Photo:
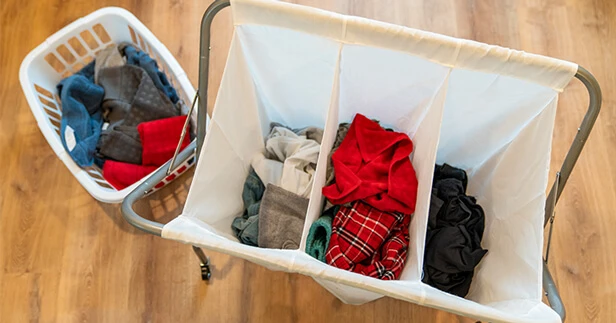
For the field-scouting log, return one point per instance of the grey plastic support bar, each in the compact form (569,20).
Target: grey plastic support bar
(142,190)
(204,67)
(551,292)
(594,106)
(551,221)
(183,134)
(155,228)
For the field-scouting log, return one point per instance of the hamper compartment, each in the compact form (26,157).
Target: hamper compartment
(271,90)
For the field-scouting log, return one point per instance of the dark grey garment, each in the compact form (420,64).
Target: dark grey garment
(130,99)
(246,227)
(281,218)
(343,129)
(435,206)
(108,57)
(313,133)
(121,143)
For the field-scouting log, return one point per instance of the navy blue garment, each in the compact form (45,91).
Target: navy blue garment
(81,115)
(143,60)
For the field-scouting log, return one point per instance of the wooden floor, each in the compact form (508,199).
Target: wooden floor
(65,257)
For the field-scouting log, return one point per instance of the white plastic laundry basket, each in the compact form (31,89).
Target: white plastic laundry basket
(65,53)
(486,109)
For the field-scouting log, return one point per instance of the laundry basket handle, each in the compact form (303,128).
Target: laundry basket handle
(144,188)
(204,67)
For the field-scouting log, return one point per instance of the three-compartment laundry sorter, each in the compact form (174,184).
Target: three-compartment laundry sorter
(486,109)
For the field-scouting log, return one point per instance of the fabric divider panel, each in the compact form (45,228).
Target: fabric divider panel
(317,200)
(426,140)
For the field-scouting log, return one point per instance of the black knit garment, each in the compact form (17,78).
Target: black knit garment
(455,229)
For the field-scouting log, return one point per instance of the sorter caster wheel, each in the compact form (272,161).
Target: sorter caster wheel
(205,271)
(204,263)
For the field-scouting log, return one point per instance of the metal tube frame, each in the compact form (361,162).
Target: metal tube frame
(155,228)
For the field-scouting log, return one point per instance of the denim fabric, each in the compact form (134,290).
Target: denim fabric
(81,112)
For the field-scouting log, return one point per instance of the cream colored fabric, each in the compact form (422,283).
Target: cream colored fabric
(289,161)
(441,49)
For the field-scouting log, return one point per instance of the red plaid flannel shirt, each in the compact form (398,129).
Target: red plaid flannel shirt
(368,241)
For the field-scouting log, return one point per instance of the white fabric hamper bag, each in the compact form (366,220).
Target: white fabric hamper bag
(486,109)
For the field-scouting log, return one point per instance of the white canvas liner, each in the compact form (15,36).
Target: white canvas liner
(486,109)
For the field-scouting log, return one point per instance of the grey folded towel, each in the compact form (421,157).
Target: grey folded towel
(281,218)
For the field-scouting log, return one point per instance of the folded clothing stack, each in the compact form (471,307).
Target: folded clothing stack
(121,113)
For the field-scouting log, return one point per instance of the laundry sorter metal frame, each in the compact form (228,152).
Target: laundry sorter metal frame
(155,228)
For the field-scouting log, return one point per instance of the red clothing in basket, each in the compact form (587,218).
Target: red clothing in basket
(368,241)
(373,165)
(122,175)
(159,139)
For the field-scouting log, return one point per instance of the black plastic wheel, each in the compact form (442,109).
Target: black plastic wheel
(206,274)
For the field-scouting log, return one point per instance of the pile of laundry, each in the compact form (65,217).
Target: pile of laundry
(371,193)
(120,113)
(455,229)
(277,188)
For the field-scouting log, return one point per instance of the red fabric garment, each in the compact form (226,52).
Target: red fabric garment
(159,138)
(122,175)
(368,241)
(373,165)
